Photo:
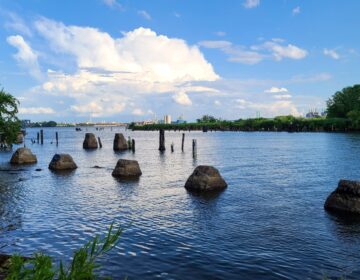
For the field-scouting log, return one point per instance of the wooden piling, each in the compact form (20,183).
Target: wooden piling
(162,140)
(41,137)
(57,138)
(129,143)
(133,145)
(172,147)
(38,137)
(100,144)
(194,148)
(182,142)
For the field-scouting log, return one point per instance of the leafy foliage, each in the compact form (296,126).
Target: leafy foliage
(9,123)
(207,119)
(281,123)
(82,267)
(44,124)
(343,102)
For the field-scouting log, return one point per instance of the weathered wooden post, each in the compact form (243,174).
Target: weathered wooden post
(57,138)
(194,148)
(182,142)
(133,145)
(172,147)
(41,137)
(100,144)
(162,140)
(38,137)
(129,143)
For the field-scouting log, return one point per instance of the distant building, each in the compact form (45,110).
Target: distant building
(167,119)
(313,113)
(146,122)
(180,120)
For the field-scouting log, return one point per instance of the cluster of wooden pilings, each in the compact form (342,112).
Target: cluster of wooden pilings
(162,143)
(40,138)
(129,144)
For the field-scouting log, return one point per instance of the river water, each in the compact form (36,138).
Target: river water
(268,224)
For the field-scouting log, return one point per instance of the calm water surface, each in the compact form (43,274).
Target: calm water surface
(268,224)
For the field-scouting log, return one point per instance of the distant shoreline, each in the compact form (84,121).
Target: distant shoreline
(279,124)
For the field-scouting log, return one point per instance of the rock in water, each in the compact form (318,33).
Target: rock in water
(120,143)
(127,169)
(62,162)
(205,178)
(90,141)
(23,156)
(346,198)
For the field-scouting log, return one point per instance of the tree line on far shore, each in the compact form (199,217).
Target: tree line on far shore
(281,123)
(343,114)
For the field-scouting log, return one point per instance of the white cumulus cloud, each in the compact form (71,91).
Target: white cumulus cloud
(182,98)
(117,70)
(26,56)
(284,51)
(276,90)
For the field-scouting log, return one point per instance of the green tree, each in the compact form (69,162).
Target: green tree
(207,119)
(343,102)
(354,116)
(9,123)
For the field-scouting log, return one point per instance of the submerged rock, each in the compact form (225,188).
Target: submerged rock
(346,198)
(205,178)
(23,156)
(127,168)
(62,162)
(120,143)
(90,141)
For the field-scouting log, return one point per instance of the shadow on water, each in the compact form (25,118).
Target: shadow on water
(121,153)
(63,173)
(130,181)
(204,196)
(346,226)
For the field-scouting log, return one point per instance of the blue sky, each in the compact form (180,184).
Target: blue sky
(134,60)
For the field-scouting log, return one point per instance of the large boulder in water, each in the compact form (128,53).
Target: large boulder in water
(205,178)
(90,141)
(127,169)
(23,156)
(120,143)
(62,162)
(346,198)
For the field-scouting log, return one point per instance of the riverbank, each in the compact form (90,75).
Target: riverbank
(285,123)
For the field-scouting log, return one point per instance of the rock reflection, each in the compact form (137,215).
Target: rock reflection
(346,226)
